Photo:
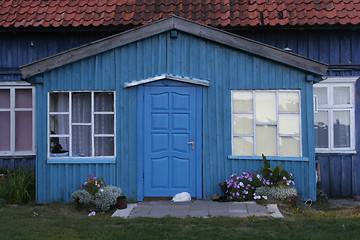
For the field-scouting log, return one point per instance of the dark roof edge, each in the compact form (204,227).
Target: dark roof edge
(180,24)
(251,46)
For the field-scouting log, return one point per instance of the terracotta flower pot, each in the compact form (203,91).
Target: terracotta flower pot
(121,202)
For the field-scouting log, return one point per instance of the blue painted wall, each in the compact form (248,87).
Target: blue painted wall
(190,56)
(338,47)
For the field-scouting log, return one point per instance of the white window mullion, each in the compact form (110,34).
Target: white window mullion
(277,124)
(352,128)
(12,120)
(254,120)
(48,124)
(92,124)
(33,120)
(232,122)
(70,125)
(114,103)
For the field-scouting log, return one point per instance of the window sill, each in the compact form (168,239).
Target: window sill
(290,159)
(6,155)
(336,151)
(80,160)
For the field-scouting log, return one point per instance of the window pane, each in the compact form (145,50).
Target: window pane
(4,98)
(59,124)
(289,146)
(104,124)
(321,93)
(59,146)
(341,129)
(289,124)
(23,131)
(59,102)
(81,141)
(321,129)
(243,123)
(242,101)
(104,146)
(289,101)
(266,137)
(5,131)
(104,102)
(23,98)
(341,95)
(81,108)
(265,107)
(243,146)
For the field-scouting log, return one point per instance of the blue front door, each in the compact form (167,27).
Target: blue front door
(170,140)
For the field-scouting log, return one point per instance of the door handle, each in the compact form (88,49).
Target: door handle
(192,144)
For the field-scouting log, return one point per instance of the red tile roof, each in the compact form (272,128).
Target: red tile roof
(224,13)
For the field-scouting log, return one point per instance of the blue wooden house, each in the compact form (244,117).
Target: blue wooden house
(168,107)
(324,30)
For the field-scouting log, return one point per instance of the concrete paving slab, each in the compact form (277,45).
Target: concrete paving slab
(124,213)
(204,209)
(274,211)
(343,203)
(158,211)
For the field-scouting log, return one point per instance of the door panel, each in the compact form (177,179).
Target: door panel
(169,126)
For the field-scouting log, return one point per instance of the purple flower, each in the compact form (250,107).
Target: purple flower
(237,194)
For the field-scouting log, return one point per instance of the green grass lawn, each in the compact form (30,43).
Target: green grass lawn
(64,221)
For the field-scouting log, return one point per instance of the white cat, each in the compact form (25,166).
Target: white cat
(182,197)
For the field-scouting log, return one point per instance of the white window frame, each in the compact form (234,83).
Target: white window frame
(330,83)
(93,135)
(265,124)
(12,86)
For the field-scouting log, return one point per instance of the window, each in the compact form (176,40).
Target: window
(17,120)
(266,122)
(334,117)
(81,124)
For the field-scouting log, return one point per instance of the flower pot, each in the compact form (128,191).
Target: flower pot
(121,202)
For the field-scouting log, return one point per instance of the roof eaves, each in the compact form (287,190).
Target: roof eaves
(251,46)
(96,47)
(180,24)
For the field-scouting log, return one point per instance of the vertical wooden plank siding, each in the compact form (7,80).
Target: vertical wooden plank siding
(105,71)
(25,162)
(56,182)
(226,69)
(339,174)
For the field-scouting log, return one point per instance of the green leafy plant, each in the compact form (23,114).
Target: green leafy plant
(277,176)
(18,186)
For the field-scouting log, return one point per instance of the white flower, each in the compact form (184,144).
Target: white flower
(265,197)
(258,176)
(241,184)
(93,213)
